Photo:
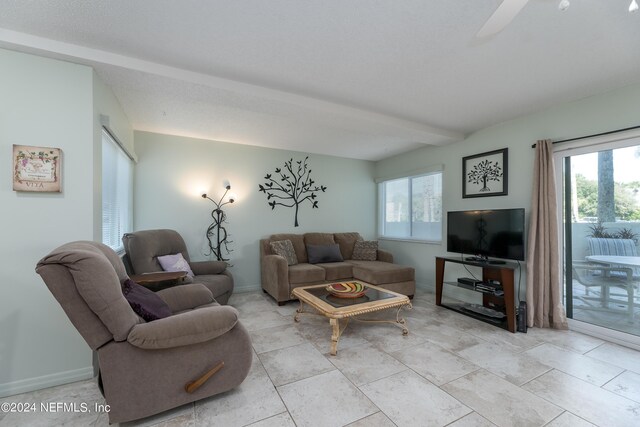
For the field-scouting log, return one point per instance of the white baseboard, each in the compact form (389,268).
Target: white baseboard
(45,381)
(428,287)
(616,337)
(246,288)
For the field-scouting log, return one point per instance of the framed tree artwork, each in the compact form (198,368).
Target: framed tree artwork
(485,174)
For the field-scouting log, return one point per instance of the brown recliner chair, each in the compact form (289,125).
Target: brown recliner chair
(146,368)
(144,247)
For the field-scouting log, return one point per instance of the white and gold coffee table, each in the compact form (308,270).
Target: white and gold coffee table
(335,309)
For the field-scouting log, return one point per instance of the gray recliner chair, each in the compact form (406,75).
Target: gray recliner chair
(143,247)
(147,367)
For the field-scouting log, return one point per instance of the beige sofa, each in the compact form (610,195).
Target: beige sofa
(279,279)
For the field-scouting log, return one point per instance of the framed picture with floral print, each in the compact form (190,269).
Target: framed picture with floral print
(36,168)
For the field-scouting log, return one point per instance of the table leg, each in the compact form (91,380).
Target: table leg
(296,318)
(605,296)
(630,301)
(335,335)
(401,322)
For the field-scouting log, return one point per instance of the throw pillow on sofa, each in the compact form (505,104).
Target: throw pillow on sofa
(284,248)
(324,253)
(365,250)
(175,262)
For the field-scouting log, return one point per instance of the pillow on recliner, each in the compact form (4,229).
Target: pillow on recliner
(145,302)
(324,253)
(175,262)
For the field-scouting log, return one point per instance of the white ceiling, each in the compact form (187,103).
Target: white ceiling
(355,78)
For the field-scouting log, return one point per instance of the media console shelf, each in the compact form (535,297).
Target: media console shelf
(501,272)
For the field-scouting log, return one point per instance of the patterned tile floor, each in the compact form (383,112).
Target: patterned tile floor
(450,371)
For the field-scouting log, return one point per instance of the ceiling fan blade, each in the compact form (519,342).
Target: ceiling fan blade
(501,17)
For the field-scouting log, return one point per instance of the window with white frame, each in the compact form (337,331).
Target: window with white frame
(117,192)
(411,207)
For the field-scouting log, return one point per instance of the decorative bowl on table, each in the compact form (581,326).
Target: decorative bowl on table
(346,290)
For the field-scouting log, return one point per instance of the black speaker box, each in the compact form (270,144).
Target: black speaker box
(522,317)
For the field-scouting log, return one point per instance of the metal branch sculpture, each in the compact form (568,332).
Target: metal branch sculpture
(217,229)
(484,172)
(293,187)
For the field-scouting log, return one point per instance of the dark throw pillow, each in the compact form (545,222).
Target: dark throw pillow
(365,250)
(146,303)
(324,253)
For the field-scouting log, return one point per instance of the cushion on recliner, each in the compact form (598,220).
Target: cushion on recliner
(145,302)
(208,267)
(218,284)
(175,262)
(186,328)
(143,248)
(96,278)
(186,297)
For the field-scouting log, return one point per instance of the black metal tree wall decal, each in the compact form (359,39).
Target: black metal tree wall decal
(216,229)
(484,172)
(293,188)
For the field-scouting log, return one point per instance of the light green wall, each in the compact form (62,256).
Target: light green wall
(610,111)
(173,171)
(44,102)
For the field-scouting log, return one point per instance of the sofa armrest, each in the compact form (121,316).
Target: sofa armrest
(385,256)
(191,327)
(208,267)
(274,272)
(185,297)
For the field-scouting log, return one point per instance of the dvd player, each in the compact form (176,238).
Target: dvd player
(468,281)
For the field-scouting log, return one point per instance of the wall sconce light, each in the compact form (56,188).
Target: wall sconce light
(216,230)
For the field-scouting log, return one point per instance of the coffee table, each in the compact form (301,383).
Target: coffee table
(335,309)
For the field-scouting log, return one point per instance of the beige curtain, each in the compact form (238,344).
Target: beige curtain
(544,291)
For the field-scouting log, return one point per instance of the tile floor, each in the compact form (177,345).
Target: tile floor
(450,371)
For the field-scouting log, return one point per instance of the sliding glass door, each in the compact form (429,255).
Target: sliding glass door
(599,192)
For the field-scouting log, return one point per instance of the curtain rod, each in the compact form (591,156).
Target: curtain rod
(591,136)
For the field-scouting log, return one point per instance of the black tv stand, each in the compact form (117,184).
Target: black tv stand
(485,260)
(504,274)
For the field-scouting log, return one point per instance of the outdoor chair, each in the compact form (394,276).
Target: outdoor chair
(607,279)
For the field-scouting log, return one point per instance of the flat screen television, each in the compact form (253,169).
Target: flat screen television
(497,233)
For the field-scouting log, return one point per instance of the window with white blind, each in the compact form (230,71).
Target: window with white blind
(411,207)
(117,192)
